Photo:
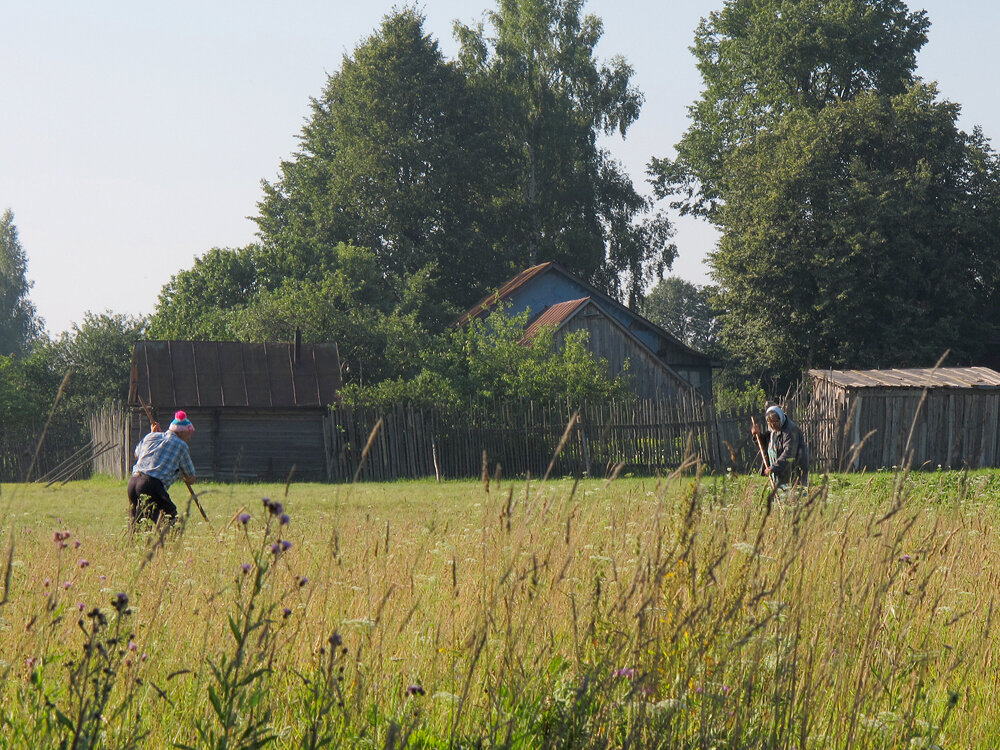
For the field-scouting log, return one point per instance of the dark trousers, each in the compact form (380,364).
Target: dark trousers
(158,503)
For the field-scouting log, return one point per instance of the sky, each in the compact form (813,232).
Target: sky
(134,136)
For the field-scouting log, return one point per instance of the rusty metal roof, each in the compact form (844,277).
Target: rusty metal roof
(187,374)
(554,315)
(925,377)
(503,292)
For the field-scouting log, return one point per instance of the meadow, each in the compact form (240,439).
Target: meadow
(680,612)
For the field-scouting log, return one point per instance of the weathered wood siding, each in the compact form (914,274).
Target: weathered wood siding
(886,427)
(250,444)
(648,377)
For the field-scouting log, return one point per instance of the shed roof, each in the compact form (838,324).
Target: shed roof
(555,315)
(921,377)
(230,373)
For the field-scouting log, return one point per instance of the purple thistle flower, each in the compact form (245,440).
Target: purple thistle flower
(275,548)
(120,602)
(285,545)
(244,518)
(84,563)
(284,519)
(132,646)
(286,612)
(246,567)
(81,606)
(67,585)
(76,544)
(303,581)
(416,690)
(628,672)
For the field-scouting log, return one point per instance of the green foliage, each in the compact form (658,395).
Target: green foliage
(490,358)
(745,397)
(398,157)
(858,222)
(686,310)
(19,323)
(98,351)
(760,60)
(865,239)
(569,201)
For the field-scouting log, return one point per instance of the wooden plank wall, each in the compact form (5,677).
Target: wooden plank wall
(951,428)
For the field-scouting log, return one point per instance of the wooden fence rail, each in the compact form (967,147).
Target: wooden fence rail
(520,438)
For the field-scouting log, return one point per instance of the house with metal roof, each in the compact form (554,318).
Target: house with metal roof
(921,417)
(659,364)
(259,410)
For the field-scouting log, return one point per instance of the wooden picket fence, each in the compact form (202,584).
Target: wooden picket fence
(29,451)
(556,438)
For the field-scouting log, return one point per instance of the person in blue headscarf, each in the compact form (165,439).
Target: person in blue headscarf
(787,453)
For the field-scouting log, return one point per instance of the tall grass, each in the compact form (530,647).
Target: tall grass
(689,612)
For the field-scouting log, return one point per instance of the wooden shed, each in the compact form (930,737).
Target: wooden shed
(947,416)
(258,409)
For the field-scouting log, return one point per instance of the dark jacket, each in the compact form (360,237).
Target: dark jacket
(791,463)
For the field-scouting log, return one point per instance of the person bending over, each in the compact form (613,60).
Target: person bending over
(160,458)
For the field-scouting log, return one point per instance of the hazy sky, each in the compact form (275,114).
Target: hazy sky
(133,136)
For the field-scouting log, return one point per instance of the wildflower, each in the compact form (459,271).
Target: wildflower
(120,602)
(244,518)
(416,690)
(335,639)
(76,544)
(47,582)
(285,545)
(906,559)
(284,519)
(286,613)
(67,585)
(628,672)
(245,567)
(303,581)
(81,606)
(29,663)
(275,548)
(132,646)
(84,563)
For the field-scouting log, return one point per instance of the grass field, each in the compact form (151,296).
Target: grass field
(674,613)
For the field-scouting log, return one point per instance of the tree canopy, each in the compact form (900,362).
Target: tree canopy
(19,322)
(858,222)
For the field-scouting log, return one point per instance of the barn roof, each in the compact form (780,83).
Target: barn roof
(515,283)
(924,377)
(188,374)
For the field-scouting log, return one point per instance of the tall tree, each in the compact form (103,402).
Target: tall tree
(857,221)
(867,237)
(19,322)
(569,202)
(686,310)
(761,59)
(396,158)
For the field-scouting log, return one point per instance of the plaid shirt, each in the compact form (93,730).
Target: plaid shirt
(163,455)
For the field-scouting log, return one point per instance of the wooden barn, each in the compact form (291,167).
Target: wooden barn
(258,409)
(650,377)
(659,363)
(954,425)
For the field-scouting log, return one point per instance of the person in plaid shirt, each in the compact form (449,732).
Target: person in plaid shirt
(160,458)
